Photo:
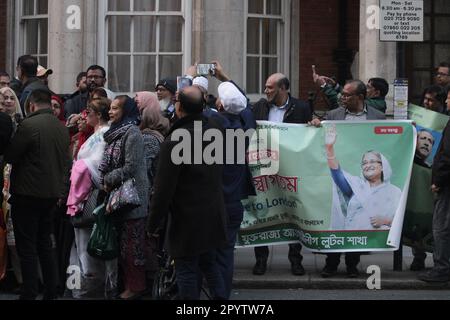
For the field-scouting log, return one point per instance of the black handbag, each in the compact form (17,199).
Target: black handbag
(123,198)
(86,218)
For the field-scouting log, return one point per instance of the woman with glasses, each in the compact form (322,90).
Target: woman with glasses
(368,202)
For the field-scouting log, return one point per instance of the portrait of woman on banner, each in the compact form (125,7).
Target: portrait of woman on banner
(366,202)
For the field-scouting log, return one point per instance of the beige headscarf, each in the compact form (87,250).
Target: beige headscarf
(147,100)
(153,122)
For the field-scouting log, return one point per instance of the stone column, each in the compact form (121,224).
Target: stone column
(223,37)
(376,59)
(66,43)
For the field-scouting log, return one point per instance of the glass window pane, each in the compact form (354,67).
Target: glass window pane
(442,29)
(171,34)
(170,66)
(43,31)
(31,36)
(274,7)
(144,73)
(145,34)
(119,73)
(441,53)
(144,5)
(256,6)
(421,55)
(441,6)
(269,36)
(28,7)
(253,75)
(169,5)
(42,6)
(420,80)
(43,61)
(269,67)
(119,34)
(118,5)
(253,36)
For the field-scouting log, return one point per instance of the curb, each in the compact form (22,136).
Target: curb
(392,281)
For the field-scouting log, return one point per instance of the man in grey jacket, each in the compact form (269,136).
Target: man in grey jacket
(39,154)
(353,108)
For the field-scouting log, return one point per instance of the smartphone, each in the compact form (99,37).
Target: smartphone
(205,69)
(183,82)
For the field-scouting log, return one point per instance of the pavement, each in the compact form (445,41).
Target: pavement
(278,275)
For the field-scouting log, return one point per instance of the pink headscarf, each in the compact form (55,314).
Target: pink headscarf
(147,99)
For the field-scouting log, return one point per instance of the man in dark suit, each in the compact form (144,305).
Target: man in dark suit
(191,193)
(280,107)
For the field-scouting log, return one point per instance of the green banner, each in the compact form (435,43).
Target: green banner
(342,187)
(417,230)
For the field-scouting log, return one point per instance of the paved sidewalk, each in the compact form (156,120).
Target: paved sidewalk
(278,275)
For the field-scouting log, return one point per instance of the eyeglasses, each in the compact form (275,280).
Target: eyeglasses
(441,74)
(371,162)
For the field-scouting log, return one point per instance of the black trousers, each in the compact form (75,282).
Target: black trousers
(32,220)
(351,259)
(262,253)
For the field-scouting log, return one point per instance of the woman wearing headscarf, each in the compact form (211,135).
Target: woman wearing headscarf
(124,159)
(58,108)
(154,128)
(146,99)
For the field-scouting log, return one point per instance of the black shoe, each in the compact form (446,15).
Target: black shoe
(352,272)
(260,267)
(417,265)
(328,271)
(297,269)
(434,276)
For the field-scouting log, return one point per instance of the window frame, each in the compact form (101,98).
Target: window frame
(283,44)
(21,35)
(102,43)
(431,43)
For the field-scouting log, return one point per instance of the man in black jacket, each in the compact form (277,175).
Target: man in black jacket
(190,191)
(27,67)
(280,106)
(39,154)
(441,216)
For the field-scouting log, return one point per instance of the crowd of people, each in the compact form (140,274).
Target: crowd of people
(64,155)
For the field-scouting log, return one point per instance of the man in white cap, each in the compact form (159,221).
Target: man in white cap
(234,114)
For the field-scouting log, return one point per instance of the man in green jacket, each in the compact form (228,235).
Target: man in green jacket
(377,90)
(39,155)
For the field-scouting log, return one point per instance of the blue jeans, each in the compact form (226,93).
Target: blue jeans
(188,271)
(225,256)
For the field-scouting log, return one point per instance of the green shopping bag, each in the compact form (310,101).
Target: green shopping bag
(104,241)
